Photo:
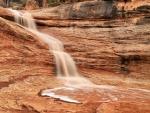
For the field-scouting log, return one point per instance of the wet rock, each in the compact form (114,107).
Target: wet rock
(80,11)
(108,49)
(122,50)
(21,53)
(119,37)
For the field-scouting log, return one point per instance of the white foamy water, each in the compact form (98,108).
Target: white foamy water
(102,94)
(65,65)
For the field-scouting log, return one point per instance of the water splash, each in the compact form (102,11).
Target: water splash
(65,65)
(101,93)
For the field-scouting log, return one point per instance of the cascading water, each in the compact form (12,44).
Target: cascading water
(66,69)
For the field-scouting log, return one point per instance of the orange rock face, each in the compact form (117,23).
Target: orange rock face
(18,49)
(107,51)
(123,107)
(123,51)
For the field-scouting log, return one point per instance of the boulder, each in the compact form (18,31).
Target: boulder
(96,10)
(6,14)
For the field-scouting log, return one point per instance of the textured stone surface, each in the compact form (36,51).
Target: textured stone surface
(21,52)
(121,42)
(96,10)
(119,50)
(123,107)
(107,51)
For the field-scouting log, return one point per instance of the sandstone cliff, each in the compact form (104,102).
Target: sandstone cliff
(121,33)
(111,48)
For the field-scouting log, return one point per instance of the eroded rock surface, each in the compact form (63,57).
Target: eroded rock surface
(21,53)
(122,107)
(118,50)
(108,50)
(96,10)
(118,34)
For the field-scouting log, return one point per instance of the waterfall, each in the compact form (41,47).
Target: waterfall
(66,70)
(65,65)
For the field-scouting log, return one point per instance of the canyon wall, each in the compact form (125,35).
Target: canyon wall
(107,35)
(109,41)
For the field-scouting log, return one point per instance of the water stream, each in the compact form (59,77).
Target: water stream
(65,65)
(77,90)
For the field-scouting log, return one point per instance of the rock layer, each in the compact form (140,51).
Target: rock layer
(110,50)
(121,49)
(122,37)
(21,53)
(96,10)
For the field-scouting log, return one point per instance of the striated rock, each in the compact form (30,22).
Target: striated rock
(79,10)
(118,44)
(21,53)
(96,23)
(108,49)
(93,14)
(118,50)
(26,65)
(96,10)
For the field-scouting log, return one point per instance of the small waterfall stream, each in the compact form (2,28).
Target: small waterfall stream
(78,90)
(65,65)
